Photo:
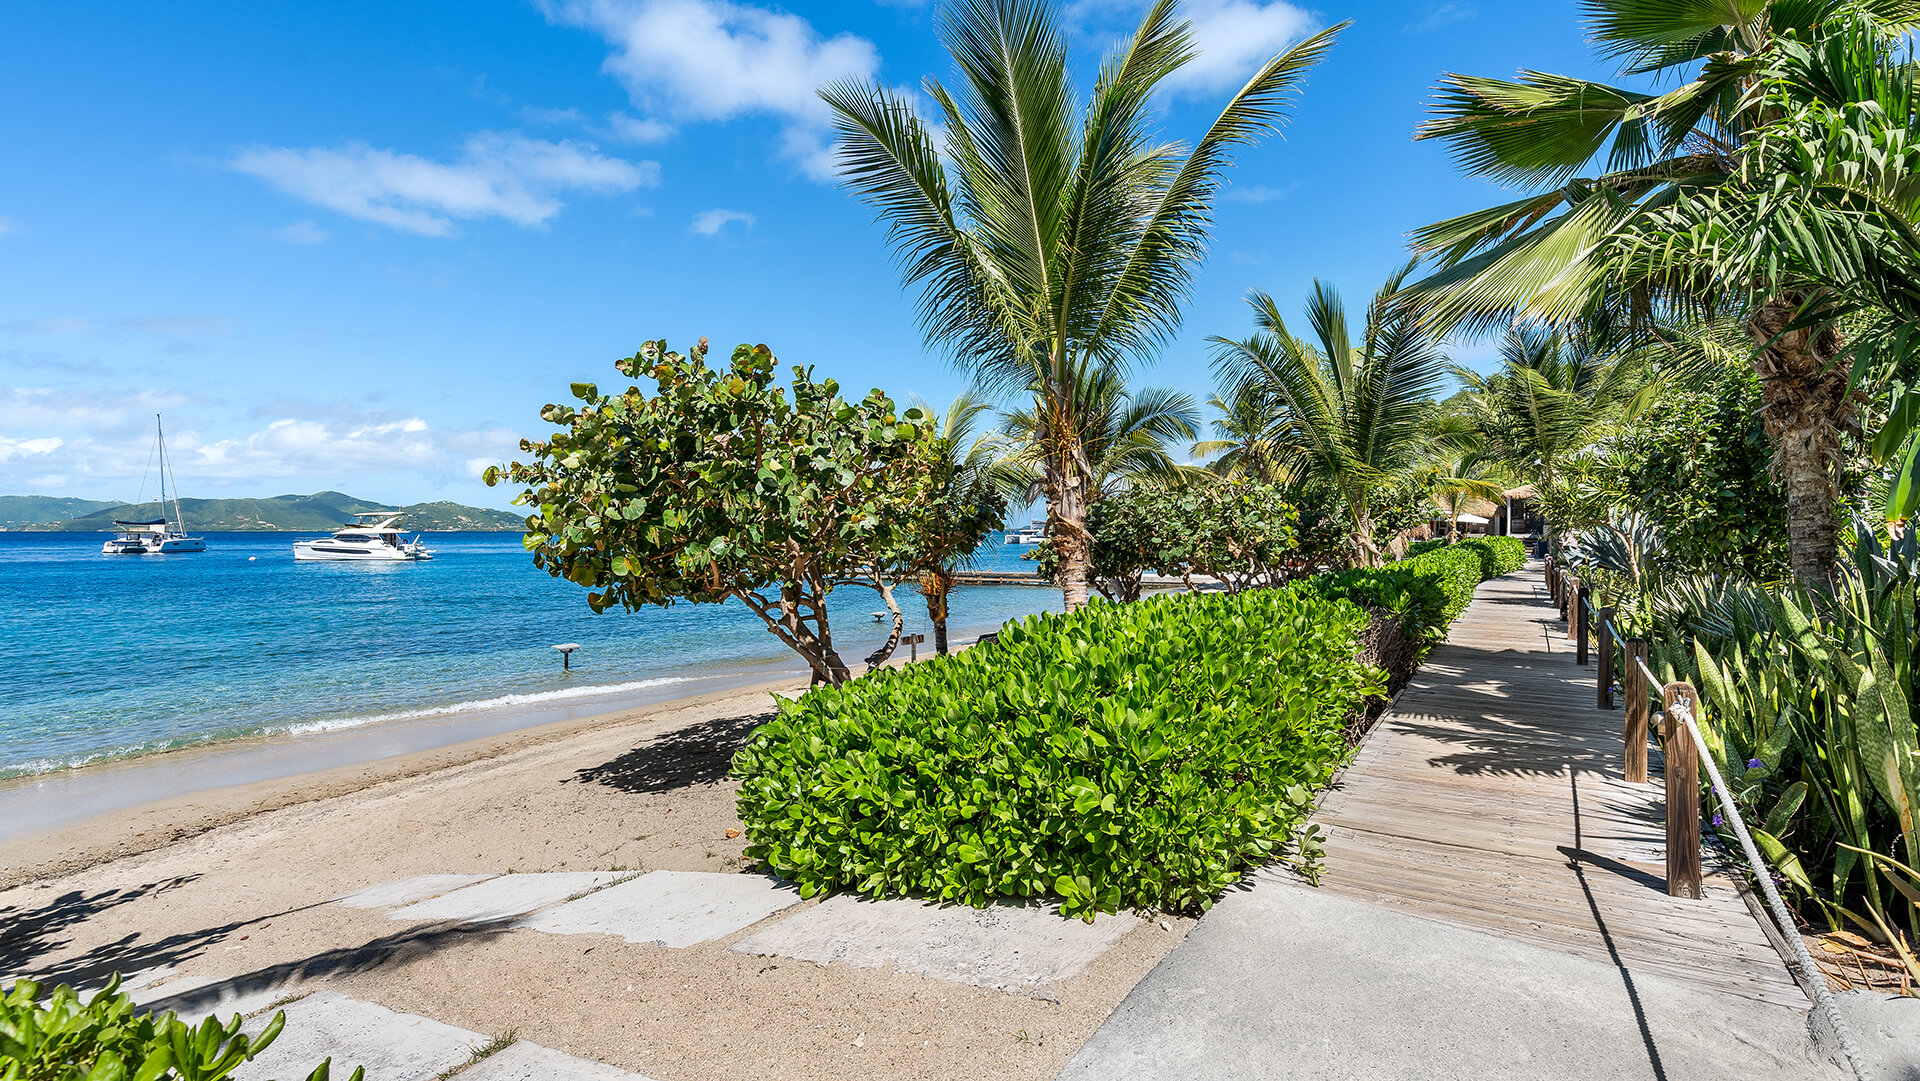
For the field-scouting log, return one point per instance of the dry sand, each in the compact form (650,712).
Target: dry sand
(233,883)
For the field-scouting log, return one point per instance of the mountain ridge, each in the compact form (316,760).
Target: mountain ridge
(317,512)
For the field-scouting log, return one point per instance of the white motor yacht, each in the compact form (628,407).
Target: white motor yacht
(372,537)
(159,536)
(1031,535)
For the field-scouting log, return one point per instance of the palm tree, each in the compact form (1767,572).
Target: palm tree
(1554,395)
(1125,435)
(974,481)
(1559,252)
(1245,436)
(1353,416)
(1049,246)
(1454,477)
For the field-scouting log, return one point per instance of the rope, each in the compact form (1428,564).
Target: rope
(1822,999)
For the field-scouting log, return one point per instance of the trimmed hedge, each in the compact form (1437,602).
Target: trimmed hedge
(1498,555)
(1124,755)
(1412,594)
(1455,569)
(1425,546)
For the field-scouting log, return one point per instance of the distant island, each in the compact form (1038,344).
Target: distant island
(281,513)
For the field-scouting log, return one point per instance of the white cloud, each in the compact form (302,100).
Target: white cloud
(505,176)
(710,222)
(634,129)
(1439,15)
(300,232)
(12,449)
(1259,193)
(711,60)
(7,226)
(1234,37)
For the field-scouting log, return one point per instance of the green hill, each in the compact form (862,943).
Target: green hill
(19,510)
(314,513)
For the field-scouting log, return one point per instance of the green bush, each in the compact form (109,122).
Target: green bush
(61,1038)
(1455,569)
(1498,555)
(1414,595)
(1124,755)
(1425,546)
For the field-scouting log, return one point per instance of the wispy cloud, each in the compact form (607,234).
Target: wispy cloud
(7,226)
(710,222)
(711,60)
(190,325)
(1233,37)
(12,449)
(56,324)
(300,232)
(498,175)
(1259,193)
(1439,15)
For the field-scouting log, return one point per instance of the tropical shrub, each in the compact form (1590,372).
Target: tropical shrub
(1411,595)
(62,1038)
(1122,755)
(1418,548)
(1455,569)
(1498,555)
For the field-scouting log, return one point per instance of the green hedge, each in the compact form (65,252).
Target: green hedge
(1412,594)
(1498,555)
(1425,546)
(1124,755)
(1456,570)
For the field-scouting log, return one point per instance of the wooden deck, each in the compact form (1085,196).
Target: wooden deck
(1491,797)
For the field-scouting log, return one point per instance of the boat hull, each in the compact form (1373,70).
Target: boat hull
(311,553)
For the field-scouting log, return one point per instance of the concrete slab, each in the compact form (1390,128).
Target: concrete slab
(408,890)
(1005,947)
(523,1061)
(675,909)
(507,897)
(196,998)
(392,1046)
(1886,1034)
(1284,981)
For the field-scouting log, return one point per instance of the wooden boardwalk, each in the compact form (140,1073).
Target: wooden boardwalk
(1491,797)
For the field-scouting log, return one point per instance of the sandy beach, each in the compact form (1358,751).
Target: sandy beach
(234,882)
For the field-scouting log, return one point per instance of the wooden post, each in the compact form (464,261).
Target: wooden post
(1604,699)
(1635,684)
(1683,796)
(1582,624)
(1553,581)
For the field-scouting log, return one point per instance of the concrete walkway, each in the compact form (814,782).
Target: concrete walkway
(1492,907)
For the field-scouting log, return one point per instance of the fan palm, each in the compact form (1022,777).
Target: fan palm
(1351,415)
(1458,472)
(1556,253)
(1046,247)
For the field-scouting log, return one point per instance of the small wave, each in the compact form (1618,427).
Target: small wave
(41,766)
(504,701)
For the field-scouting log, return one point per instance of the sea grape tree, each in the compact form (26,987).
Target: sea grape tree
(723,485)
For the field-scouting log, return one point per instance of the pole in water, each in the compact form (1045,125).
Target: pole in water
(566,655)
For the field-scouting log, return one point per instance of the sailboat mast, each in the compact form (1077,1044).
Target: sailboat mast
(166,467)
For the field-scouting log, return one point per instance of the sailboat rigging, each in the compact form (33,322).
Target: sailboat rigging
(160,535)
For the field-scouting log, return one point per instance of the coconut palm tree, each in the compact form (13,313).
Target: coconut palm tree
(1050,238)
(1352,415)
(1244,432)
(1126,436)
(1455,476)
(974,480)
(1604,162)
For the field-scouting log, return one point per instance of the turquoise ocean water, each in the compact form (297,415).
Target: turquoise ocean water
(105,657)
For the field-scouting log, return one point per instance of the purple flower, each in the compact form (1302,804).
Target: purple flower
(1717,819)
(1753,763)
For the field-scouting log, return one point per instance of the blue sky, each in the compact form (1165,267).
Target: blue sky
(357,245)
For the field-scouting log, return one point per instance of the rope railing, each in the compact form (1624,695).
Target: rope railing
(1683,782)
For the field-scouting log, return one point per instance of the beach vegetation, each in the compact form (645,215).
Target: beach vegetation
(1240,533)
(1352,415)
(970,480)
(1122,755)
(724,485)
(53,1034)
(1051,238)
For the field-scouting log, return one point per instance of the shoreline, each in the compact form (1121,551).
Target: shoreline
(61,845)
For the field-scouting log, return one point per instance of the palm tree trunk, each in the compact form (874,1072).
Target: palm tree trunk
(935,585)
(1066,487)
(1807,406)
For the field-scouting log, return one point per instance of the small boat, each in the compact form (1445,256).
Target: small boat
(1032,534)
(373,537)
(157,536)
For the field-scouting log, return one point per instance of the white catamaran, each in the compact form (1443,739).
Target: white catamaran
(373,536)
(160,535)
